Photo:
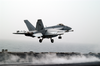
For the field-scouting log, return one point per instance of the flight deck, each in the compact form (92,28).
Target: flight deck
(31,58)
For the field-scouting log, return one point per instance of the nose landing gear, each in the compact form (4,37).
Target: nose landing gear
(59,37)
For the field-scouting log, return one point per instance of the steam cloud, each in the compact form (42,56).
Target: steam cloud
(48,59)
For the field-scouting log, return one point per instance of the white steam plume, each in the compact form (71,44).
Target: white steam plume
(49,59)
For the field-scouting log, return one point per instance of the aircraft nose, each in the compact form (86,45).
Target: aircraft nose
(68,28)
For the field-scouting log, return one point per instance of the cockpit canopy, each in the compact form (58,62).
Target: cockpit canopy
(61,24)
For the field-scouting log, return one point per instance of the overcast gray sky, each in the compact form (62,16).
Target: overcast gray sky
(82,15)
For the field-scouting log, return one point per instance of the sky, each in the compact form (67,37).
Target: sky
(83,16)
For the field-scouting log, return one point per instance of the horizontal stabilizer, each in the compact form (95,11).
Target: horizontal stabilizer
(20,32)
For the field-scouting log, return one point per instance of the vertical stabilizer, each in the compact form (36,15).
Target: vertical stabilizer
(29,25)
(39,25)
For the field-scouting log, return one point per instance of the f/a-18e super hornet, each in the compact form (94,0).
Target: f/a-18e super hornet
(44,32)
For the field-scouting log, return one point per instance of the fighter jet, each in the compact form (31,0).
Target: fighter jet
(42,32)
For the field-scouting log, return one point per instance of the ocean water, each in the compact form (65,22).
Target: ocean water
(26,46)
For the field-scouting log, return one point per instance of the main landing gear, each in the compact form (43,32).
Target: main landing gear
(40,40)
(52,40)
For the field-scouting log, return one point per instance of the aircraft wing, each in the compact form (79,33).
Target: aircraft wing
(60,32)
(20,32)
(37,34)
(54,32)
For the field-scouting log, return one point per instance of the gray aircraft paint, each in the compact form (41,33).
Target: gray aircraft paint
(29,25)
(42,32)
(39,25)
